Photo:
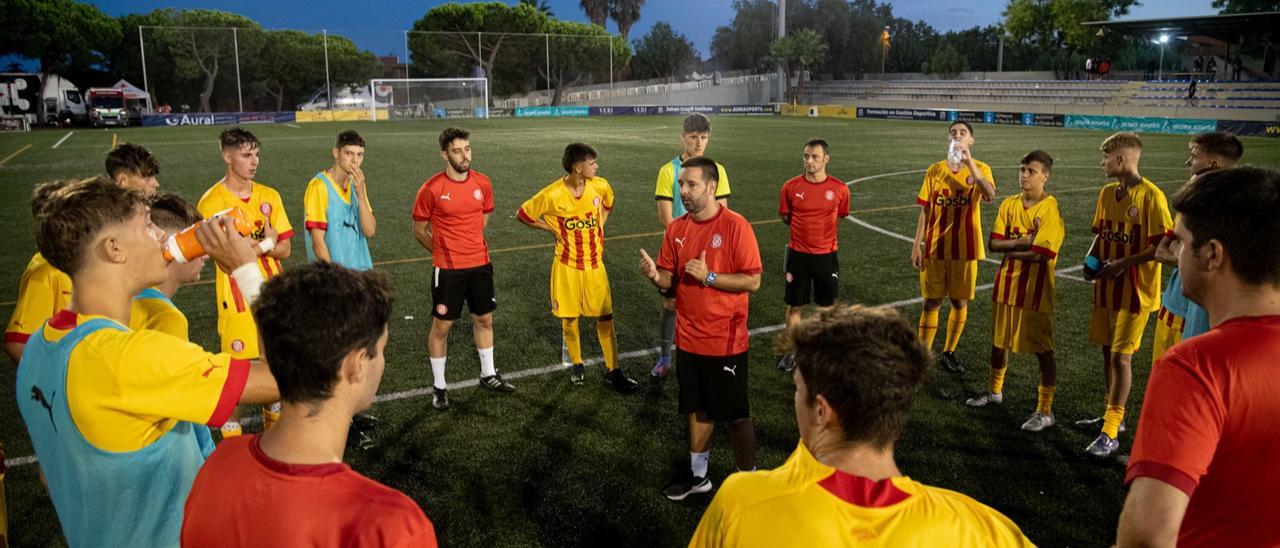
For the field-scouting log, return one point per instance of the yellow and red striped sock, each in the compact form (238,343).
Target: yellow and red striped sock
(955,326)
(927,329)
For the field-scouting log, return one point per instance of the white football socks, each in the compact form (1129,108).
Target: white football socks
(437,373)
(698,463)
(486,362)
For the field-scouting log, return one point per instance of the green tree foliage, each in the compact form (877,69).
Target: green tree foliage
(797,52)
(597,11)
(663,53)
(1245,6)
(1053,28)
(61,34)
(464,36)
(625,13)
(542,6)
(946,62)
(744,43)
(579,54)
(291,65)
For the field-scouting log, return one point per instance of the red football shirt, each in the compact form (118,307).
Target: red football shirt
(242,497)
(709,321)
(1208,427)
(815,210)
(456,211)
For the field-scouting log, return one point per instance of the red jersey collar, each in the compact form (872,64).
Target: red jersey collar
(64,320)
(303,470)
(860,491)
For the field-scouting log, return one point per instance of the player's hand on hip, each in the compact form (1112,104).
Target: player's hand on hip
(697,267)
(225,246)
(647,267)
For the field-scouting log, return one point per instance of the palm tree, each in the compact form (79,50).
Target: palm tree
(597,11)
(798,51)
(625,13)
(541,5)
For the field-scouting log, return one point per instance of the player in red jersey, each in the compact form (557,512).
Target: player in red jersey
(449,217)
(812,206)
(325,328)
(1203,472)
(711,258)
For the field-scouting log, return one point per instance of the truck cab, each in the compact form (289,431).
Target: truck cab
(107,108)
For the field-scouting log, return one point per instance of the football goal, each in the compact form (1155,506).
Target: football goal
(429,98)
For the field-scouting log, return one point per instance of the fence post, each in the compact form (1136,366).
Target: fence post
(235,43)
(142,48)
(406,54)
(328,88)
(547,39)
(610,70)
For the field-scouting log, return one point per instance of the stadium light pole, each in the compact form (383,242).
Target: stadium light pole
(783,78)
(1164,39)
(406,54)
(142,48)
(235,43)
(328,88)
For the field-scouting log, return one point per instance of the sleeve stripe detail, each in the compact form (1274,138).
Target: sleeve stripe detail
(284,236)
(921,201)
(1044,251)
(1162,472)
(665,198)
(232,389)
(520,214)
(316,224)
(997,236)
(16,337)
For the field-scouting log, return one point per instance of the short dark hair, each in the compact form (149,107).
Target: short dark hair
(818,142)
(697,123)
(576,152)
(237,137)
(450,134)
(349,138)
(960,123)
(75,213)
(171,213)
(1237,207)
(1220,143)
(1039,156)
(133,159)
(311,317)
(40,196)
(709,168)
(867,363)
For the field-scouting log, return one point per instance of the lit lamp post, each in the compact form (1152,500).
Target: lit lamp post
(1164,39)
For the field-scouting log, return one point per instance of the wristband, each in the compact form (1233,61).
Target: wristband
(266,245)
(249,280)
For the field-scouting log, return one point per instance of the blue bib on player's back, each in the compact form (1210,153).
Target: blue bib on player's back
(346,242)
(102,498)
(677,205)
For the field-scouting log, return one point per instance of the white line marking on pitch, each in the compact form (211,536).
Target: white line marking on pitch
(64,138)
(294,126)
(471,383)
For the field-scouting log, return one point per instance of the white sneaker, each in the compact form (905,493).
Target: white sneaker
(1103,446)
(1038,422)
(984,399)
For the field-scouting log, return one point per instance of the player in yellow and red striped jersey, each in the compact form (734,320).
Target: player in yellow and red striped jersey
(948,241)
(1131,219)
(263,209)
(1028,230)
(574,209)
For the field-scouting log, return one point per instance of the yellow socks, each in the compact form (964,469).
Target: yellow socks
(572,339)
(1044,404)
(927,329)
(1111,421)
(955,326)
(608,342)
(995,379)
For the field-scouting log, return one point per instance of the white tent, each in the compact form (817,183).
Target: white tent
(131,91)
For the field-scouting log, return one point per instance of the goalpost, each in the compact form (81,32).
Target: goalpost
(427,98)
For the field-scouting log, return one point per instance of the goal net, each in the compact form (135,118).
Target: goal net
(425,98)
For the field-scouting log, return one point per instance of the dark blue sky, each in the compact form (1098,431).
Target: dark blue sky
(378,26)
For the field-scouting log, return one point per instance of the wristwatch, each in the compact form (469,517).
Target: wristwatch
(711,279)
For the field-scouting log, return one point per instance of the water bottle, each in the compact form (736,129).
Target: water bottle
(954,156)
(183,246)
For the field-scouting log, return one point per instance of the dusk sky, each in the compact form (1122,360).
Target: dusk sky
(378,26)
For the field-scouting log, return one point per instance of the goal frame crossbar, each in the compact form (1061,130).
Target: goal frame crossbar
(373,90)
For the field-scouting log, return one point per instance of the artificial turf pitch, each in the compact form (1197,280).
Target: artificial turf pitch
(560,465)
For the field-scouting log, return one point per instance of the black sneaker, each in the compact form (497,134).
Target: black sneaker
(578,375)
(686,484)
(358,439)
(364,422)
(440,399)
(787,362)
(495,383)
(620,381)
(951,363)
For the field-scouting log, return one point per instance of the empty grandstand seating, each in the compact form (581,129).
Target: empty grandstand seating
(1225,95)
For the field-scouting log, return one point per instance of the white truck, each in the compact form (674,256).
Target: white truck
(345,98)
(20,96)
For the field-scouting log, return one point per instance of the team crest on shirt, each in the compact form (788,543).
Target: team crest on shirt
(477,194)
(1133,212)
(237,345)
(441,309)
(265,208)
(596,201)
(790,278)
(716,241)
(968,180)
(831,195)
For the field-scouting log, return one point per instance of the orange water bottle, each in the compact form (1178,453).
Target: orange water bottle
(183,246)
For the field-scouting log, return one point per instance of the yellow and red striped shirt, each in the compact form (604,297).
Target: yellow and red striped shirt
(953,226)
(1126,227)
(1028,284)
(579,222)
(263,208)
